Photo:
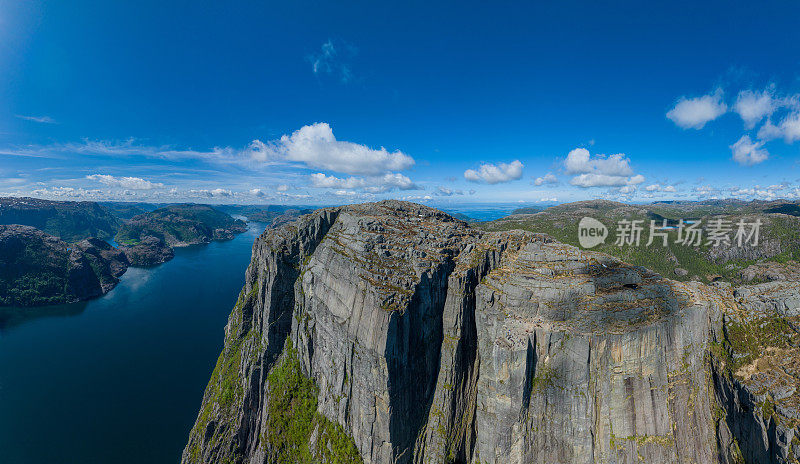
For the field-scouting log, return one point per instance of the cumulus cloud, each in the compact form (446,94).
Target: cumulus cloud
(316,146)
(580,161)
(603,180)
(747,153)
(599,170)
(376,184)
(69,192)
(495,173)
(752,107)
(282,188)
(257,192)
(548,178)
(694,113)
(652,188)
(446,192)
(217,192)
(132,183)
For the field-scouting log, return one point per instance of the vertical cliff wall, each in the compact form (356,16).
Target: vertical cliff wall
(393,333)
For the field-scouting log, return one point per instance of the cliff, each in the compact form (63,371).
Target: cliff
(393,333)
(38,269)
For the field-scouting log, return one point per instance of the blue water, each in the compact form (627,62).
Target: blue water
(118,379)
(486,212)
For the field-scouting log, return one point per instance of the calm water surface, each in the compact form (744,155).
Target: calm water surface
(119,379)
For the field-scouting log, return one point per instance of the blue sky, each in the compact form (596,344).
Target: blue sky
(446,103)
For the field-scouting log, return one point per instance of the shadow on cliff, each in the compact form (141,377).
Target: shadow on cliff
(413,351)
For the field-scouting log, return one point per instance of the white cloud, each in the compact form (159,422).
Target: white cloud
(257,192)
(660,188)
(548,178)
(331,60)
(495,174)
(39,119)
(70,192)
(217,192)
(747,153)
(752,107)
(790,127)
(344,193)
(769,131)
(316,146)
(600,170)
(694,113)
(377,184)
(132,183)
(446,192)
(580,161)
(282,188)
(604,180)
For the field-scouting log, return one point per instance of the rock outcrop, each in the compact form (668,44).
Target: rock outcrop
(393,333)
(37,268)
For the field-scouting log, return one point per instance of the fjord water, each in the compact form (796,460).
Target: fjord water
(119,379)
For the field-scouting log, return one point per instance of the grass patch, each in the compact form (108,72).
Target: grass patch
(293,418)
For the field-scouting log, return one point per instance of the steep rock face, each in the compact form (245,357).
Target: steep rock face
(756,367)
(584,359)
(429,341)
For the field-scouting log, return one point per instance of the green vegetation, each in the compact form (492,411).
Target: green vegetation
(37,269)
(71,221)
(293,418)
(703,261)
(747,341)
(178,224)
(545,377)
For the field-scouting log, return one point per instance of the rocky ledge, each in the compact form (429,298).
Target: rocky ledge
(37,268)
(393,333)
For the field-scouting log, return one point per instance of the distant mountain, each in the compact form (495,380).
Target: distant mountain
(267,213)
(148,238)
(69,220)
(126,210)
(39,269)
(528,210)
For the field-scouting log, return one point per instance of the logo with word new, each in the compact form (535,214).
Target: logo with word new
(591,232)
